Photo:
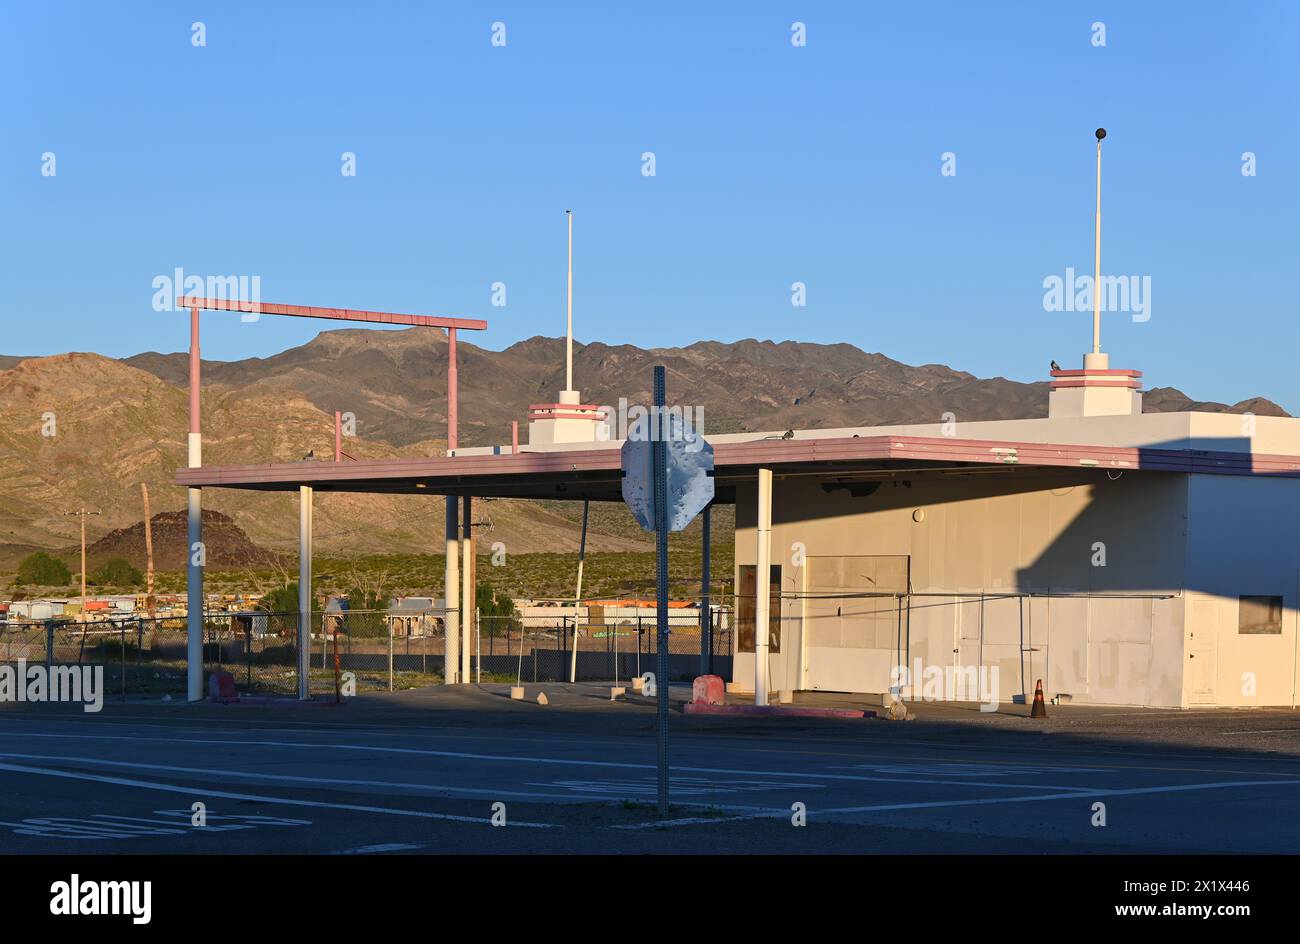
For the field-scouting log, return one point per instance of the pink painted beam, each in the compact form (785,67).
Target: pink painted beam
(453,439)
(194,370)
(332,314)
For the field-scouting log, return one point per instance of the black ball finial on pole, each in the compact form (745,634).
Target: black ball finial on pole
(1101,133)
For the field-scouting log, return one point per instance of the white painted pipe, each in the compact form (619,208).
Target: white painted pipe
(763,583)
(1096,279)
(451,590)
(194,596)
(467,593)
(577,594)
(304,590)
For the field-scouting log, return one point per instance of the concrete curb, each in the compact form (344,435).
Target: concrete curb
(263,701)
(696,708)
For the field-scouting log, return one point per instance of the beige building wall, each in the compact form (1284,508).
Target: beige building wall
(1244,540)
(980,542)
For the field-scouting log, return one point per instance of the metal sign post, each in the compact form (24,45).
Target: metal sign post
(667,481)
(660,454)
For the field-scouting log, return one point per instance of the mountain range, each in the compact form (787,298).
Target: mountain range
(118,423)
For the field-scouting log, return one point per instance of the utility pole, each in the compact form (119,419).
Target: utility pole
(149,601)
(82,513)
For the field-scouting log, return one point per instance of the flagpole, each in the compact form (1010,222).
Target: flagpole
(1096,279)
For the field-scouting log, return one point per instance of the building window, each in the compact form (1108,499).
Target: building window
(1260,615)
(746,598)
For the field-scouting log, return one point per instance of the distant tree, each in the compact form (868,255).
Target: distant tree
(43,570)
(282,599)
(116,572)
(359,599)
(496,610)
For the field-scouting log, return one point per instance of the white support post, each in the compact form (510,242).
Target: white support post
(451,590)
(196,557)
(763,582)
(467,594)
(577,594)
(304,591)
(194,589)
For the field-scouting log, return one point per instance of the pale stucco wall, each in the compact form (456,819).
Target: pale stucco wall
(1021,531)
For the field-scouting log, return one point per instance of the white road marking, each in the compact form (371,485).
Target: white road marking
(985,801)
(547,761)
(696,820)
(380,848)
(1098,792)
(788,746)
(599,796)
(678,786)
(108,826)
(226,794)
(969,769)
(289,778)
(61,827)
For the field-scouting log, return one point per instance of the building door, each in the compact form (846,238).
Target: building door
(968,657)
(746,600)
(1202,663)
(855,623)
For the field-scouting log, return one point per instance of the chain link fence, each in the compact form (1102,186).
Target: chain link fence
(360,650)
(139,656)
(540,650)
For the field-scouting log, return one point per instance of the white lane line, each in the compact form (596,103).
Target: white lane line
(697,820)
(228,795)
(566,797)
(793,747)
(554,761)
(289,778)
(380,848)
(986,801)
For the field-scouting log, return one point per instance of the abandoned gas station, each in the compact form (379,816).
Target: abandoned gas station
(1121,557)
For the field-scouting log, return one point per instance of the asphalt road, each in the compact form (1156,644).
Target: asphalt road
(423,772)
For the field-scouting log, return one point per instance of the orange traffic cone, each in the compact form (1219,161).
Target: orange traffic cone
(1040,707)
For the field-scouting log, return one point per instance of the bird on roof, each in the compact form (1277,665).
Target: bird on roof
(1055,366)
(788,434)
(311,454)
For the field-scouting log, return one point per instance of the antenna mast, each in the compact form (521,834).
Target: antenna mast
(1096,277)
(568,343)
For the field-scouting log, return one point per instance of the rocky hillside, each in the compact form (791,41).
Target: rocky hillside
(226,544)
(81,430)
(394,381)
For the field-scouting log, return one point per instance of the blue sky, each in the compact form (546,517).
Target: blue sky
(774,164)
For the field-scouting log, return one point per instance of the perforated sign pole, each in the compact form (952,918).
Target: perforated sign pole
(659,453)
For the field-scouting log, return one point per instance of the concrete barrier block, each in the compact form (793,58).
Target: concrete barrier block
(708,690)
